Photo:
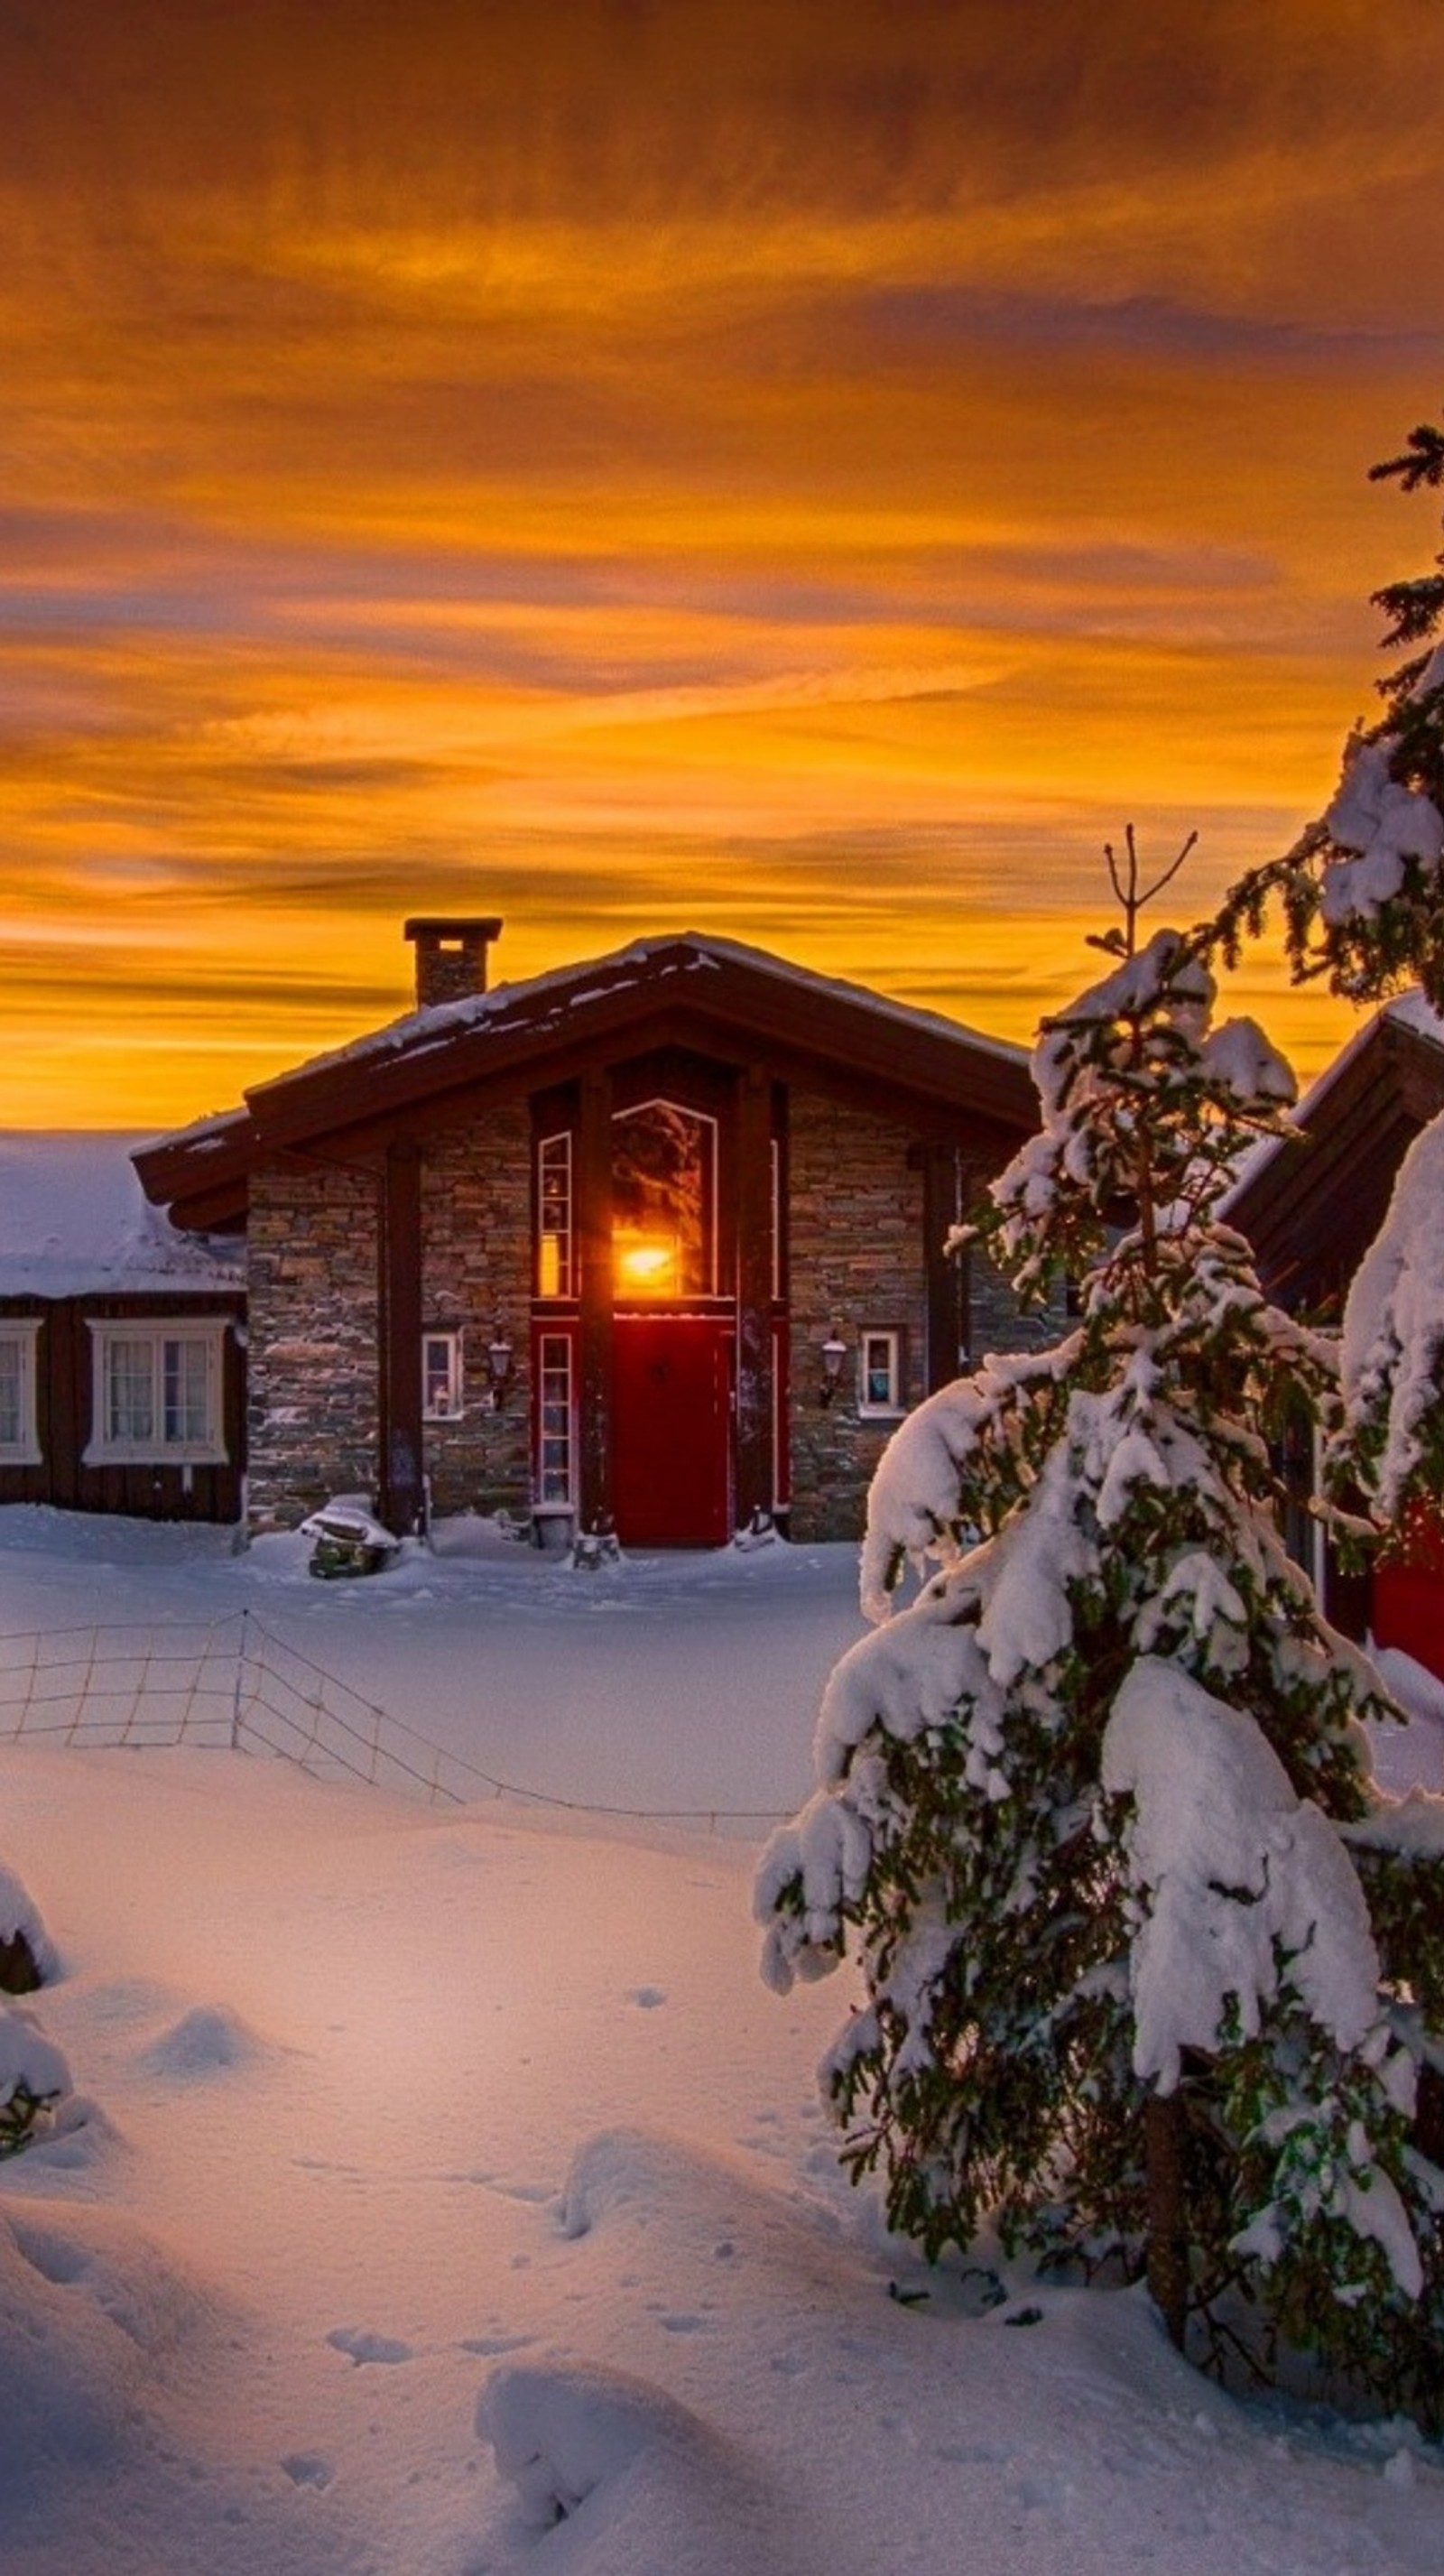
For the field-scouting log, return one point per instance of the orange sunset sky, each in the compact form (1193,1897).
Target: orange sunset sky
(809,472)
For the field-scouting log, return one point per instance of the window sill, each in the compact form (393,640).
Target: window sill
(179,1456)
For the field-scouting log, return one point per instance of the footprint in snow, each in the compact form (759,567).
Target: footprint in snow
(362,2345)
(308,2469)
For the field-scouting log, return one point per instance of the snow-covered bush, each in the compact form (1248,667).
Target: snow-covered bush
(33,2073)
(26,1957)
(33,2078)
(1083,1807)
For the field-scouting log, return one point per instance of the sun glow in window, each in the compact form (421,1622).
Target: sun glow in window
(664,1181)
(650,1267)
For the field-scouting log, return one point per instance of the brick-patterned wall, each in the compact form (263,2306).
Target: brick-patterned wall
(476,1271)
(998,1324)
(311,1262)
(856,1255)
(313,1323)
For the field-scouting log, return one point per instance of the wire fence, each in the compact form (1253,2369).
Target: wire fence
(234,1684)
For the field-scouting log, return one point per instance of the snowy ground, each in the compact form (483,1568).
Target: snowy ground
(390,2110)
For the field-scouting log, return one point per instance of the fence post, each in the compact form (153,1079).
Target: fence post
(240,1676)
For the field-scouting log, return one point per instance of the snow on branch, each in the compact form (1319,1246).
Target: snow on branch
(1393,1342)
(1242,1882)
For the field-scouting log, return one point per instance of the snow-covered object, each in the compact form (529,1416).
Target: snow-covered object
(560,2435)
(1242,1883)
(29,2062)
(347,1518)
(1393,1339)
(1379,826)
(20,1915)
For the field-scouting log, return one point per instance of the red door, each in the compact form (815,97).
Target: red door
(671,1427)
(1408,1592)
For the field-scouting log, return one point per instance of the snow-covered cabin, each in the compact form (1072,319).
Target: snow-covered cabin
(121,1369)
(1311,1208)
(652,1243)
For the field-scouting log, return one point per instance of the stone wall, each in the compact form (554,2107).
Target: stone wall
(997,1322)
(855,1258)
(314,1307)
(312,1271)
(476,1273)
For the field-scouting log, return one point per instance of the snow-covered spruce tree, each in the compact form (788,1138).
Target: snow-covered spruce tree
(1363,898)
(1083,1807)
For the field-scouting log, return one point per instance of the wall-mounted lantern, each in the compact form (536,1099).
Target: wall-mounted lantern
(834,1352)
(499,1356)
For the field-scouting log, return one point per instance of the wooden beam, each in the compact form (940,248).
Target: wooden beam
(592,1184)
(948,1185)
(401,1471)
(753,1480)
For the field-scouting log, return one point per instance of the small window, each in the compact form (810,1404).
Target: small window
(879,1373)
(157,1394)
(555,1276)
(441,1393)
(555,1442)
(19,1438)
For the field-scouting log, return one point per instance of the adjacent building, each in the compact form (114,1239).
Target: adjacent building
(1311,1207)
(122,1383)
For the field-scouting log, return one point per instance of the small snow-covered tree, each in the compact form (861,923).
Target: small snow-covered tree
(1085,1805)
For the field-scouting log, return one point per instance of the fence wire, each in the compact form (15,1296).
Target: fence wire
(233,1683)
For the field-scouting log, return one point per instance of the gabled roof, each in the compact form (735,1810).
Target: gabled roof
(1312,1205)
(74,1222)
(711,993)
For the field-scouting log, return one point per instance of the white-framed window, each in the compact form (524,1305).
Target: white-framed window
(441,1390)
(555,1270)
(556,1444)
(879,1372)
(19,1433)
(156,1392)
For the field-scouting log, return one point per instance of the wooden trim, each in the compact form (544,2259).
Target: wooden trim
(948,1185)
(592,1221)
(399,1325)
(753,1486)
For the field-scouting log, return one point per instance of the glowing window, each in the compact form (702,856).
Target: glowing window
(664,1167)
(554,1218)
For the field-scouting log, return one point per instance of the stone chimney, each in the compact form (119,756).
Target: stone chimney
(450,957)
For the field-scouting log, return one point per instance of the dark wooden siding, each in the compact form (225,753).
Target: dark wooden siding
(63,1403)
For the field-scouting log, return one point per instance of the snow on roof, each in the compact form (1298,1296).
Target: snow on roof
(73,1219)
(1406,1011)
(566,988)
